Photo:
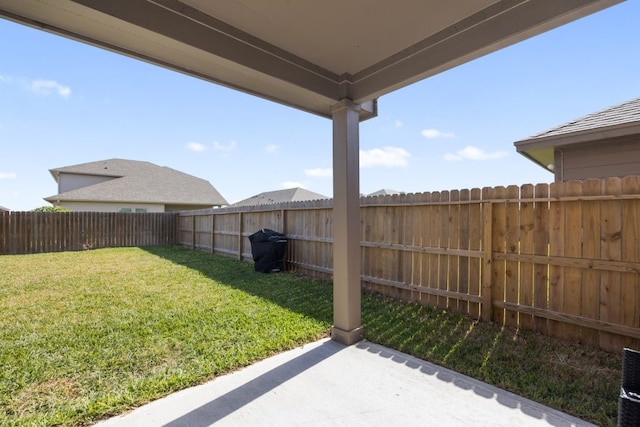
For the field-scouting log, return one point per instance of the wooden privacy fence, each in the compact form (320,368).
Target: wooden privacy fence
(561,259)
(33,232)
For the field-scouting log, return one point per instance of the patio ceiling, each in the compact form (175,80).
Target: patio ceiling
(302,53)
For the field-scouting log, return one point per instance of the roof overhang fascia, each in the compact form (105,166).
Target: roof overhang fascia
(496,27)
(541,149)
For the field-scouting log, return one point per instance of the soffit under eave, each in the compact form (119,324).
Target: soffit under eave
(541,150)
(543,157)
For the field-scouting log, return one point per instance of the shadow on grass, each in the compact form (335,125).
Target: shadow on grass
(308,297)
(568,377)
(571,378)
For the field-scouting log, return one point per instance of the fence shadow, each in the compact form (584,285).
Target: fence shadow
(308,297)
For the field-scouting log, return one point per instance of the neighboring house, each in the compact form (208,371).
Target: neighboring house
(3,209)
(384,192)
(118,185)
(602,144)
(280,196)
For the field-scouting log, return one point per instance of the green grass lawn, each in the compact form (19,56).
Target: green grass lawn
(86,335)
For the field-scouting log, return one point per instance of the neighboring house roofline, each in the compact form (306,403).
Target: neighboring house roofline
(295,194)
(132,181)
(617,121)
(384,192)
(596,134)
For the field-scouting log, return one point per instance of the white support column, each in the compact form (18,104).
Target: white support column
(347,326)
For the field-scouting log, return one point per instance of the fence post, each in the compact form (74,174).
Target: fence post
(213,232)
(193,230)
(240,236)
(487,237)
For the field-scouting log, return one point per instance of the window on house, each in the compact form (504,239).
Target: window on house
(125,210)
(141,210)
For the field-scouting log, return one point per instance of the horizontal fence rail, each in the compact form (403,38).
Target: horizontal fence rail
(562,259)
(34,232)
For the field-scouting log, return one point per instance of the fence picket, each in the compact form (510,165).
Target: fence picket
(443,242)
(630,241)
(527,283)
(572,248)
(590,301)
(611,245)
(541,248)
(475,244)
(498,244)
(463,261)
(434,242)
(556,249)
(512,239)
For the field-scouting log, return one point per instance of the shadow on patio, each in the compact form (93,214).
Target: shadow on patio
(326,383)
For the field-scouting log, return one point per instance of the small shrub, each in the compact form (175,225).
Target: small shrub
(51,209)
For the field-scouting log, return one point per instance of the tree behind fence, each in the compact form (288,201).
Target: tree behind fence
(33,232)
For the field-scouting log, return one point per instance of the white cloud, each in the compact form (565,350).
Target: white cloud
(5,79)
(398,124)
(388,157)
(196,146)
(474,153)
(435,133)
(47,87)
(292,184)
(225,148)
(8,175)
(271,148)
(319,172)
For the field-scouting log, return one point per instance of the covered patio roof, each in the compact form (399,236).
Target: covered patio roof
(305,54)
(333,58)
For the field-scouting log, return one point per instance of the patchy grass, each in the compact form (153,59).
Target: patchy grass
(86,335)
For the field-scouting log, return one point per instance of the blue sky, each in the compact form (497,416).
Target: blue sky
(64,103)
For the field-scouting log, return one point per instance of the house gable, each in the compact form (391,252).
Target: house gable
(73,181)
(119,181)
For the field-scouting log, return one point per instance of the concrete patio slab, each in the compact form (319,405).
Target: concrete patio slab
(329,384)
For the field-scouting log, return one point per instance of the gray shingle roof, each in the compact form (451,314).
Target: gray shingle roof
(137,181)
(280,196)
(384,192)
(627,112)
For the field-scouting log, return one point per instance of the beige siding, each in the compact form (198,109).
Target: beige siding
(614,157)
